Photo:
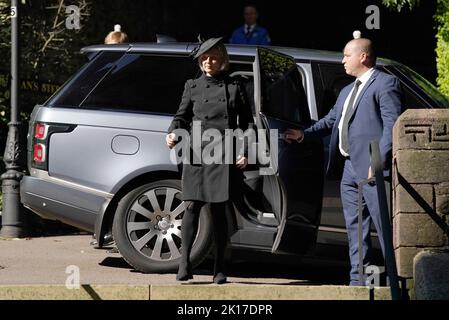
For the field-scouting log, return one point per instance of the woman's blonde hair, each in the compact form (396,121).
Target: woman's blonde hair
(223,53)
(116,36)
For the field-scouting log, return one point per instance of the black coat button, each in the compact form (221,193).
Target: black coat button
(206,117)
(207,86)
(205,100)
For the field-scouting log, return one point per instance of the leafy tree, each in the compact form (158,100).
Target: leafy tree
(5,30)
(49,54)
(49,50)
(399,4)
(442,50)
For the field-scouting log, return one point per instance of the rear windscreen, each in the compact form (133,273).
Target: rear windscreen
(76,89)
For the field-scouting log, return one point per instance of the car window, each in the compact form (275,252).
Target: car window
(244,72)
(416,82)
(282,88)
(329,79)
(145,83)
(411,100)
(72,93)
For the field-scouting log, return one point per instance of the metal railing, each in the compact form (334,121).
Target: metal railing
(389,257)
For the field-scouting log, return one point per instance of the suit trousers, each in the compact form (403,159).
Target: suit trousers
(371,213)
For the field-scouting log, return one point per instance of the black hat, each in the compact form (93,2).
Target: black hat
(205,46)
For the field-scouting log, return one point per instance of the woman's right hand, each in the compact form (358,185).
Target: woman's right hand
(170,140)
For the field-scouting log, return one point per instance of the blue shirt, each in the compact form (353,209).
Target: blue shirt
(258,36)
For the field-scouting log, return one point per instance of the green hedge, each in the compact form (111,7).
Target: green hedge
(399,4)
(442,50)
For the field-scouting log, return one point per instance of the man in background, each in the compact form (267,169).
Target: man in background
(250,32)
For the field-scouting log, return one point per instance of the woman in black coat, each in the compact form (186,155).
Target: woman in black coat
(216,101)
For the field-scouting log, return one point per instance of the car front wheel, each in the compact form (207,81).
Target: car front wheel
(147,228)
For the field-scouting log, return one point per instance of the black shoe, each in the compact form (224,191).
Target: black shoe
(184,274)
(108,239)
(220,278)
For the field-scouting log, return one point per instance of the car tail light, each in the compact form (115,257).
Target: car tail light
(39,153)
(40,131)
(40,144)
(41,135)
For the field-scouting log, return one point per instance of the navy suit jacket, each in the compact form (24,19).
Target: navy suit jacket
(259,36)
(375,111)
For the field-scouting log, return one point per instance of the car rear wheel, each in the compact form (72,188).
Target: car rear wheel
(147,228)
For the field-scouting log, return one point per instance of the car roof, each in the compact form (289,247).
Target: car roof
(184,48)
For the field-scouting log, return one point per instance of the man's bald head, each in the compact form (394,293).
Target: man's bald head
(358,56)
(363,45)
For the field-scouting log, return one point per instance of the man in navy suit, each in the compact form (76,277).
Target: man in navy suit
(365,110)
(250,32)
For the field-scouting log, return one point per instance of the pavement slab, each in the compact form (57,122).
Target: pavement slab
(46,268)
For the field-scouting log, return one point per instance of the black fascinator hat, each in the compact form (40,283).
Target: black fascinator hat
(205,46)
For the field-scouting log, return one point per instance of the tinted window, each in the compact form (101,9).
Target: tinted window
(75,90)
(411,100)
(283,95)
(244,72)
(413,81)
(143,83)
(329,79)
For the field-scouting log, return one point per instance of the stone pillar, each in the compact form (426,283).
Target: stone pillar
(420,185)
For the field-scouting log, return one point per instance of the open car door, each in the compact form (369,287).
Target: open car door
(296,169)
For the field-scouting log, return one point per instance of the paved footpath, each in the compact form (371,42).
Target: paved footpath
(40,268)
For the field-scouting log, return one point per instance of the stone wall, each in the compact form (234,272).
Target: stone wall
(420,185)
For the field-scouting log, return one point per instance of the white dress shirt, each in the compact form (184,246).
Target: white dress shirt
(249,29)
(364,78)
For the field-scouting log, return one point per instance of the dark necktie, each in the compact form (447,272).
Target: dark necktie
(348,113)
(248,31)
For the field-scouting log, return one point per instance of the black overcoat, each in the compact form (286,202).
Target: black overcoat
(219,103)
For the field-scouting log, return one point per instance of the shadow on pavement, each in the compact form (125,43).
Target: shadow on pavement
(39,227)
(298,275)
(116,262)
(309,273)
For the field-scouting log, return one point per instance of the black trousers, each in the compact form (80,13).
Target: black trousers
(189,230)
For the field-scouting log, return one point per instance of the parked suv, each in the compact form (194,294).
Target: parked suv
(98,160)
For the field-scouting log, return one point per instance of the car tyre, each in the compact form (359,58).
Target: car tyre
(147,228)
